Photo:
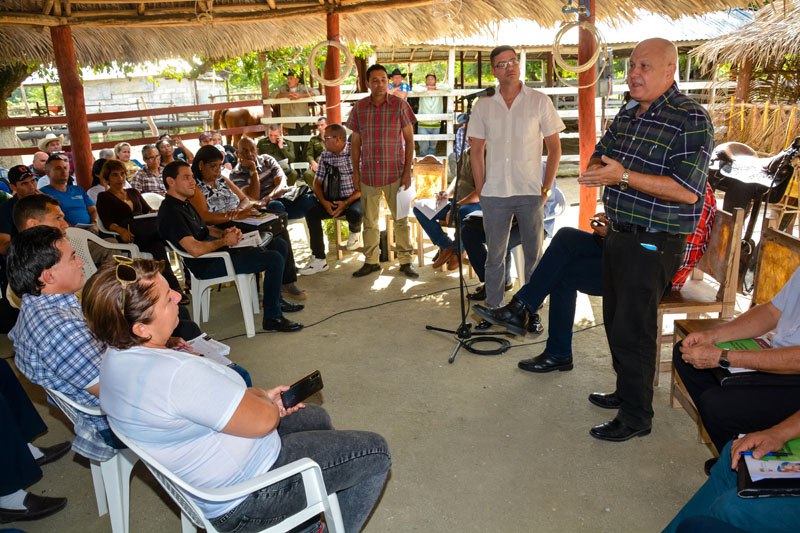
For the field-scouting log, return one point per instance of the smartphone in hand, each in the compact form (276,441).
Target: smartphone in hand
(301,390)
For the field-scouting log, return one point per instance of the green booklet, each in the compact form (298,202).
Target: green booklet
(744,344)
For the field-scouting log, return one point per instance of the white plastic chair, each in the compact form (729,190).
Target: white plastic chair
(201,289)
(79,238)
(317,498)
(153,199)
(111,478)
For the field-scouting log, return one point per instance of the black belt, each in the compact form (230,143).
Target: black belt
(626,227)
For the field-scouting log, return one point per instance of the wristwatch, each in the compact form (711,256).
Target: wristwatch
(623,182)
(723,360)
(545,192)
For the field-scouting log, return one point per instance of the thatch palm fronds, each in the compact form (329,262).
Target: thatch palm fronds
(140,31)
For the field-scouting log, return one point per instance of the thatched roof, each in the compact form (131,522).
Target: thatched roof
(152,29)
(774,33)
(535,39)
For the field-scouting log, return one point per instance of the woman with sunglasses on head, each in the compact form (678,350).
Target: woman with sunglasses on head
(118,209)
(199,420)
(222,202)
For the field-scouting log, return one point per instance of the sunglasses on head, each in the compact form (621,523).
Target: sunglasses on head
(126,275)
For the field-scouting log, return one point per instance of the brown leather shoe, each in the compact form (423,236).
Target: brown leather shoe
(444,256)
(36,507)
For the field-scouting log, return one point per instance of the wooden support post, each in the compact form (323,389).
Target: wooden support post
(451,101)
(74,104)
(550,70)
(587,125)
(333,95)
(743,79)
(262,57)
(480,70)
(523,65)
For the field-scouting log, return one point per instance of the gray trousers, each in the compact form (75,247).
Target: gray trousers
(497,217)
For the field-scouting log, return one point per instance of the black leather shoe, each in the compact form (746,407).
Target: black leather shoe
(366,268)
(53,453)
(408,270)
(616,431)
(479,295)
(545,363)
(513,317)
(606,400)
(287,307)
(535,324)
(280,324)
(36,507)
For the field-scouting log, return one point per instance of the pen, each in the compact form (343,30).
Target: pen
(770,454)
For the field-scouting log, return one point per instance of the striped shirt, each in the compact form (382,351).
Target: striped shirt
(672,138)
(380,127)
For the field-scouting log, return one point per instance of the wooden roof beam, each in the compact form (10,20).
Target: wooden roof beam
(271,4)
(48,7)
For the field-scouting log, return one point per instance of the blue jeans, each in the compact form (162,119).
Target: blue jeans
(571,263)
(354,465)
(427,147)
(435,232)
(296,209)
(718,499)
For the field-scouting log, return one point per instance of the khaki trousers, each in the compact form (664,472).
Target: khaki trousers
(371,201)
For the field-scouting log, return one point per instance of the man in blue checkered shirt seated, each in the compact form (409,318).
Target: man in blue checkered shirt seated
(53,345)
(652,161)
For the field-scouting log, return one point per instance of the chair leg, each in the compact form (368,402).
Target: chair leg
(243,282)
(338,239)
(127,460)
(254,300)
(114,493)
(186,525)
(420,244)
(333,520)
(659,340)
(99,488)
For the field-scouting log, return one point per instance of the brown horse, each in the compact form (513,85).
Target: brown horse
(238,117)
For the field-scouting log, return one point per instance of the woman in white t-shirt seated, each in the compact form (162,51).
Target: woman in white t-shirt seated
(200,420)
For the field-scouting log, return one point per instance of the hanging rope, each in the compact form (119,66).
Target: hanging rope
(349,63)
(599,48)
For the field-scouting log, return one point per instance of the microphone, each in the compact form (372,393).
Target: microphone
(489,91)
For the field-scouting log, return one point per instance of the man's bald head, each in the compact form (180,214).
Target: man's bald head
(652,70)
(245,142)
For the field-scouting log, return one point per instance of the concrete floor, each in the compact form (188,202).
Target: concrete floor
(477,445)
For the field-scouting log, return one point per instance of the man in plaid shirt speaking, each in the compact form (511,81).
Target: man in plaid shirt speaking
(652,161)
(382,148)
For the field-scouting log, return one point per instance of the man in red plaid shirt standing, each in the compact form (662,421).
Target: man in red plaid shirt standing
(382,149)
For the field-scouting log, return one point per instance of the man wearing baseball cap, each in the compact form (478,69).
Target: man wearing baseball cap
(23,183)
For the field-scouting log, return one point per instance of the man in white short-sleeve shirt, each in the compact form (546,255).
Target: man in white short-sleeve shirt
(770,397)
(511,126)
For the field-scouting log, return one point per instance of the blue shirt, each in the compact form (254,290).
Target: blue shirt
(74,203)
(672,138)
(55,349)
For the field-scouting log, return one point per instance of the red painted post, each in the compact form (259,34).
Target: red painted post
(333,96)
(74,104)
(587,126)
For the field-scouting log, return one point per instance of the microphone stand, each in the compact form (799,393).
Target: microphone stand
(464,331)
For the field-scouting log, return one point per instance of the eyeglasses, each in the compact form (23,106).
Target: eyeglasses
(502,65)
(152,157)
(126,275)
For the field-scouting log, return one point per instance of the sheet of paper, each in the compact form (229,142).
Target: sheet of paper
(430,207)
(211,349)
(260,219)
(148,215)
(404,199)
(251,238)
